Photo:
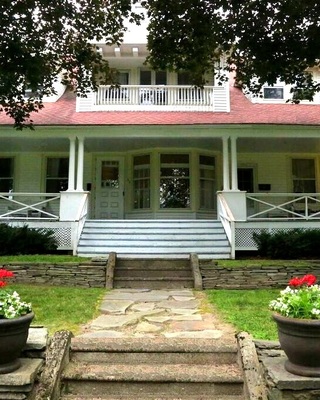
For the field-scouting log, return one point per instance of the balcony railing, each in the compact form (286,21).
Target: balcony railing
(157,98)
(283,206)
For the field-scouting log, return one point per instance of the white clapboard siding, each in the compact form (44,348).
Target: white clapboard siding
(154,238)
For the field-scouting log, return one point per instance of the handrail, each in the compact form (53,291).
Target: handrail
(303,206)
(24,209)
(228,221)
(80,220)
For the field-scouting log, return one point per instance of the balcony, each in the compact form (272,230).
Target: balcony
(156,98)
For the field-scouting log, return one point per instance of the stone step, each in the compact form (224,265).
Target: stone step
(154,351)
(152,273)
(156,380)
(152,283)
(143,396)
(153,264)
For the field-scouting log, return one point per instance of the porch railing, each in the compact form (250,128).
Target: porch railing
(155,98)
(227,219)
(283,206)
(80,221)
(29,206)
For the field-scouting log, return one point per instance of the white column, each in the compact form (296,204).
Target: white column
(234,164)
(225,155)
(72,164)
(80,165)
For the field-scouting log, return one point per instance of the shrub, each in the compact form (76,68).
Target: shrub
(23,240)
(288,244)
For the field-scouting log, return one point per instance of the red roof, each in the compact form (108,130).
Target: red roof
(63,112)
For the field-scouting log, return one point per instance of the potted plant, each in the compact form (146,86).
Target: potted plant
(15,318)
(297,314)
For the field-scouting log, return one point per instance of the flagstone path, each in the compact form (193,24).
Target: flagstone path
(154,313)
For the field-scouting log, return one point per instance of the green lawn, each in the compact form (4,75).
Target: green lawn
(247,310)
(59,308)
(42,258)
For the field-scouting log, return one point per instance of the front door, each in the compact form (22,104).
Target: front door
(109,188)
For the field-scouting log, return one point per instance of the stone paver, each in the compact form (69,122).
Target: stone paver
(154,313)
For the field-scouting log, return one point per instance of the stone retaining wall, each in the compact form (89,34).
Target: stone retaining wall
(252,276)
(93,274)
(89,274)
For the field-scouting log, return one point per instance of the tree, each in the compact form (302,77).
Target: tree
(42,41)
(263,40)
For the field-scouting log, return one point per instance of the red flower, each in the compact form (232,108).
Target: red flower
(6,274)
(2,284)
(308,280)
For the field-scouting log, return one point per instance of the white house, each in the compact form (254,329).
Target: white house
(157,149)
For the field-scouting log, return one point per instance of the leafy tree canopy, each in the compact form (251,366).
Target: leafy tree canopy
(264,40)
(43,39)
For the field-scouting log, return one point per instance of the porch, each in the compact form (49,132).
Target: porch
(239,215)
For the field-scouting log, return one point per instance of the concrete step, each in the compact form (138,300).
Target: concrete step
(153,264)
(156,380)
(151,273)
(142,396)
(154,351)
(153,369)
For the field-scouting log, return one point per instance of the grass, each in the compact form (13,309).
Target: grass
(246,310)
(42,258)
(261,262)
(61,308)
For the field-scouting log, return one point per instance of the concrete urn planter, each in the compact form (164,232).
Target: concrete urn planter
(300,340)
(13,338)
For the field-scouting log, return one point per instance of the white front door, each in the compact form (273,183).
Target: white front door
(109,188)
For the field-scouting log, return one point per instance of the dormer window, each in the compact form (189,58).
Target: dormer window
(273,93)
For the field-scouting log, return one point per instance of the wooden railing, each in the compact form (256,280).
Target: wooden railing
(283,206)
(227,219)
(29,206)
(161,97)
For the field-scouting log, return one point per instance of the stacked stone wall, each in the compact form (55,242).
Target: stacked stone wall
(252,276)
(89,274)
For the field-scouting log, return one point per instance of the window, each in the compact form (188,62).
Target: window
(273,93)
(57,175)
(148,77)
(141,181)
(207,182)
(6,174)
(303,175)
(174,181)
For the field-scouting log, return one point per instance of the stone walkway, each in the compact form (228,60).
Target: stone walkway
(154,313)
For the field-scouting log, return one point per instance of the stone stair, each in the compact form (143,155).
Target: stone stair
(154,239)
(152,369)
(153,273)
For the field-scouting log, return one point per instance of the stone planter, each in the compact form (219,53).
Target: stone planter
(13,338)
(300,340)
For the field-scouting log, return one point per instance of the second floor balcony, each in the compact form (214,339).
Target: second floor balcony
(157,98)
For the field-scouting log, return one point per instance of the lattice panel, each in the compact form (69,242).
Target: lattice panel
(244,238)
(63,236)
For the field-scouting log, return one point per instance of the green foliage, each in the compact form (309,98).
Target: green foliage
(266,40)
(291,244)
(247,310)
(43,41)
(24,240)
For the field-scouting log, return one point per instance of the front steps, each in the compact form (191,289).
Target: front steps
(152,368)
(154,239)
(153,274)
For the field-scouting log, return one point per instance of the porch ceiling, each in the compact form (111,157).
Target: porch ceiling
(106,144)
